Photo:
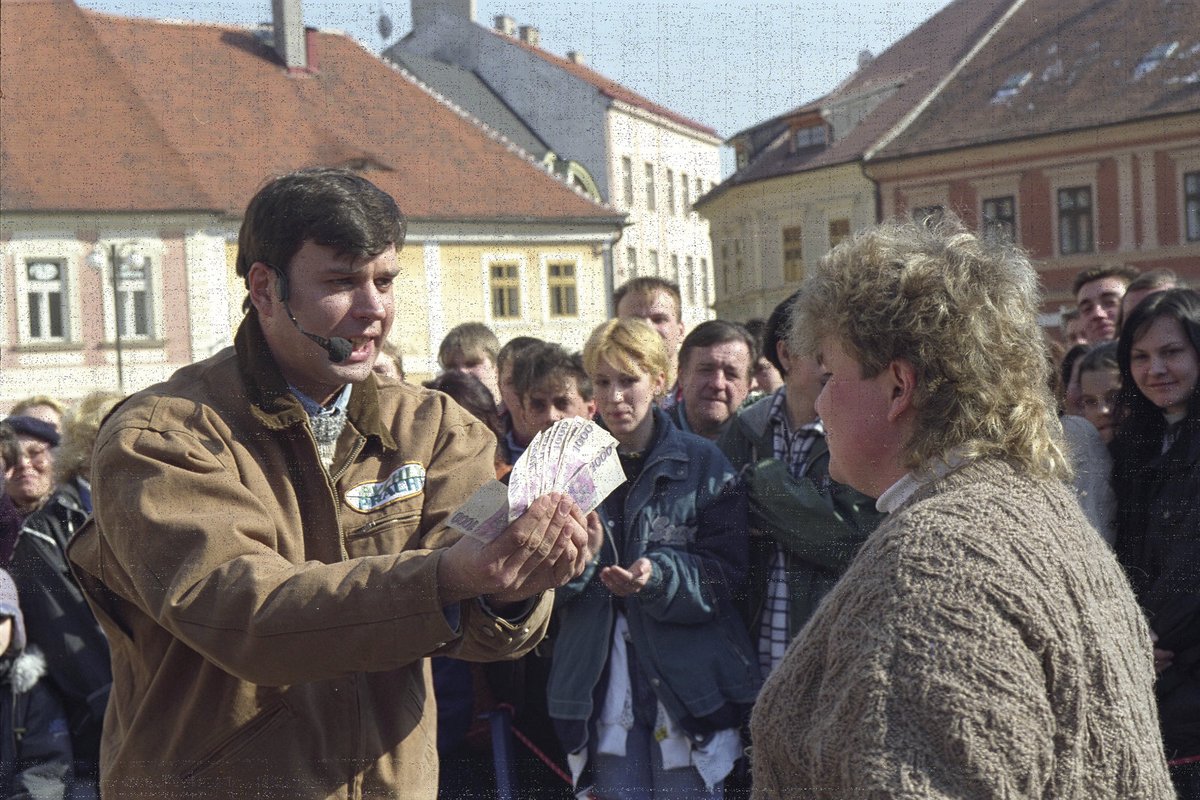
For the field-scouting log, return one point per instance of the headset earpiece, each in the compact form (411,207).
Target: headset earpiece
(282,283)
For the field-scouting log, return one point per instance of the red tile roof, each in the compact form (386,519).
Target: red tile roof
(106,113)
(1081,57)
(607,86)
(914,65)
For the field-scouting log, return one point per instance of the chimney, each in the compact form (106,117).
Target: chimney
(506,25)
(287,20)
(531,35)
(310,49)
(425,12)
(576,57)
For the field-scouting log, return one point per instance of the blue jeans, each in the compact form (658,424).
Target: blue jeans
(639,774)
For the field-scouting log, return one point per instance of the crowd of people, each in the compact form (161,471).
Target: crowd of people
(882,543)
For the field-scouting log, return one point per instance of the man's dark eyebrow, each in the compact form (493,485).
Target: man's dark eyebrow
(341,267)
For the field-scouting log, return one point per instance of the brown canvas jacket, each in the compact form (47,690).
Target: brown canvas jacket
(269,620)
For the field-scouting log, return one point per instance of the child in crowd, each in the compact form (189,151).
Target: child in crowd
(1087,433)
(653,668)
(471,347)
(35,743)
(1099,385)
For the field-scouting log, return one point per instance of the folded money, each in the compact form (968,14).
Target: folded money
(573,456)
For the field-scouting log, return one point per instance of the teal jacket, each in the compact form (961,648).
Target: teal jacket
(685,629)
(819,523)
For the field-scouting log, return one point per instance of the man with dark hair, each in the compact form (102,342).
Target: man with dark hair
(517,433)
(551,385)
(807,528)
(767,375)
(714,376)
(1072,327)
(1098,292)
(1144,285)
(269,554)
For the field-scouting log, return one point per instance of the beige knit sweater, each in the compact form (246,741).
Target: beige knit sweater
(984,643)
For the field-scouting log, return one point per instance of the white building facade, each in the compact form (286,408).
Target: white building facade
(646,160)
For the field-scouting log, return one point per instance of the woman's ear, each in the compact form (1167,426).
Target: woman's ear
(904,387)
(658,385)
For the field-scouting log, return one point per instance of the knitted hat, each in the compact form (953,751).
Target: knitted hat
(33,428)
(9,607)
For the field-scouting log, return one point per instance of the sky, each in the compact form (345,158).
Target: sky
(729,64)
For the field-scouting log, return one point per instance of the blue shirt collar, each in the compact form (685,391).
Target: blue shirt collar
(314,409)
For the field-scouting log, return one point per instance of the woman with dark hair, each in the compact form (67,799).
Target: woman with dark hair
(1157,480)
(474,396)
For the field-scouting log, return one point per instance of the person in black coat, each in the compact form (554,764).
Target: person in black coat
(1156,477)
(58,618)
(35,747)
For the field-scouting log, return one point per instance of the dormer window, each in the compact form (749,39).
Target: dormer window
(812,136)
(1151,60)
(1011,87)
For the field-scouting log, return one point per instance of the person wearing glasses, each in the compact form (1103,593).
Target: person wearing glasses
(29,480)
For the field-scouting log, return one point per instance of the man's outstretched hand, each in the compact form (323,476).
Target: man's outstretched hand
(544,548)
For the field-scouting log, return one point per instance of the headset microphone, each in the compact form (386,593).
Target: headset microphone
(338,348)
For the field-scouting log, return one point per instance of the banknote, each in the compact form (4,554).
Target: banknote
(574,456)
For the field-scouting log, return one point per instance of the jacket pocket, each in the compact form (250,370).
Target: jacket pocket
(238,744)
(385,535)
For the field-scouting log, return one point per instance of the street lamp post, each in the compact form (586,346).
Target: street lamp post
(118,255)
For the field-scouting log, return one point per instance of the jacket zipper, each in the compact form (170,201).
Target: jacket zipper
(331,480)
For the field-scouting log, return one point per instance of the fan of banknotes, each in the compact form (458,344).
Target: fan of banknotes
(574,456)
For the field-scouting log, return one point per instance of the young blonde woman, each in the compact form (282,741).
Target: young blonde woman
(653,668)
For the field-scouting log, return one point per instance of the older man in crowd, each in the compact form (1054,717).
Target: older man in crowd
(715,367)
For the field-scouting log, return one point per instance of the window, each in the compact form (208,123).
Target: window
(627,180)
(1075,220)
(1152,59)
(1191,205)
(1011,87)
(704,295)
(654,262)
(674,268)
(45,289)
(687,192)
(699,188)
(671,192)
(651,200)
(506,291)
(631,258)
(560,278)
(133,300)
(690,265)
(1000,219)
(929,215)
(813,136)
(793,254)
(839,231)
